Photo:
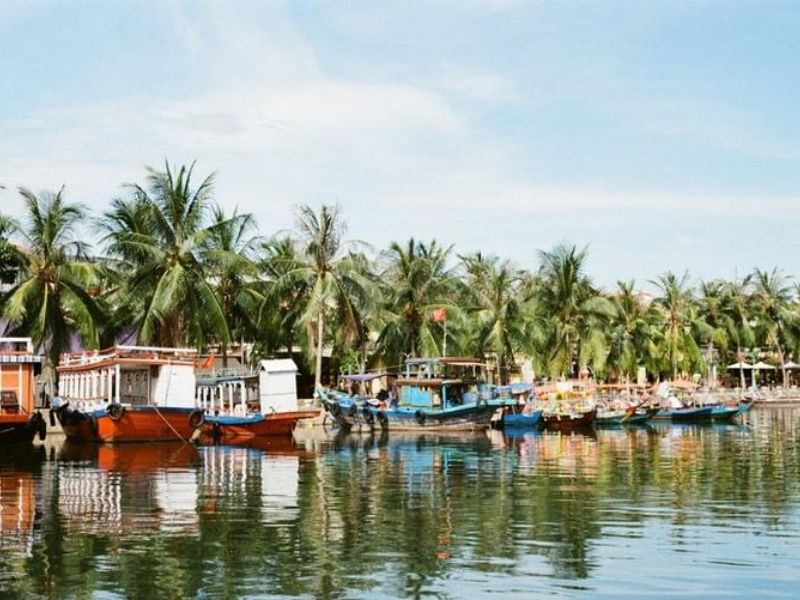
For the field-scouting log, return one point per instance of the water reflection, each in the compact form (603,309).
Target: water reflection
(659,509)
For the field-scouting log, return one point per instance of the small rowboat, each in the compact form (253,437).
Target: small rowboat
(726,413)
(531,420)
(686,415)
(624,417)
(569,421)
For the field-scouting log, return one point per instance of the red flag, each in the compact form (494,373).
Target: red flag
(440,315)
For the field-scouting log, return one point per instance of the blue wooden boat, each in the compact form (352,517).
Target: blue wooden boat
(685,415)
(433,394)
(531,420)
(623,417)
(345,409)
(726,413)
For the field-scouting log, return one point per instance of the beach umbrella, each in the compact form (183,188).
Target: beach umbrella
(761,366)
(740,366)
(789,366)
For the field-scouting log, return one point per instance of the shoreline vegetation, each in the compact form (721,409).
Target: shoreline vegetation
(170,266)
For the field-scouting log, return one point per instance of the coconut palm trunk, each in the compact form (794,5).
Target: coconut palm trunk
(318,367)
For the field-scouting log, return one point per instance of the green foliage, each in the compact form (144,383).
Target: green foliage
(174,268)
(52,298)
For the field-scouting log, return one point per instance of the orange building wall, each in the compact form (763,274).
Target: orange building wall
(9,380)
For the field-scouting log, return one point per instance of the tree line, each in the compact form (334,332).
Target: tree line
(173,267)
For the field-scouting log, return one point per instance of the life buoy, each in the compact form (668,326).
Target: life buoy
(196,418)
(420,417)
(382,419)
(115,411)
(367,414)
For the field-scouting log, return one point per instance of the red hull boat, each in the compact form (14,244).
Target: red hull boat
(19,421)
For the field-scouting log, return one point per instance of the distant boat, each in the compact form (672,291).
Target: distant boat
(569,420)
(568,405)
(530,420)
(624,417)
(685,415)
(727,413)
(434,394)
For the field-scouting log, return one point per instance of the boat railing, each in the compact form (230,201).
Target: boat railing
(207,376)
(22,345)
(148,353)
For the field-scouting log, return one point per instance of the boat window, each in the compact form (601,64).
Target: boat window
(8,401)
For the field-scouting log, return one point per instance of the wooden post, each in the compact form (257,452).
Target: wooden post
(117,391)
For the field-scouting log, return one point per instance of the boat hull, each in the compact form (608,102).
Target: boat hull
(531,420)
(466,418)
(723,413)
(570,421)
(686,415)
(18,429)
(135,424)
(623,418)
(472,417)
(275,424)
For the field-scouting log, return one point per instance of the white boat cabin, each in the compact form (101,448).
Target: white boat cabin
(129,375)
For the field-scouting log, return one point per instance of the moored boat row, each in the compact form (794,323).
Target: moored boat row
(135,393)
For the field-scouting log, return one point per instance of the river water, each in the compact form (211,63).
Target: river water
(668,511)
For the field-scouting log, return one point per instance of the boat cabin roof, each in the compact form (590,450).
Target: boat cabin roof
(446,360)
(126,355)
(16,350)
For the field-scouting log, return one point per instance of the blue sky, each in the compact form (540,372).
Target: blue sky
(665,136)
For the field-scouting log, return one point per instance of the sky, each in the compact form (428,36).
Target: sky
(664,136)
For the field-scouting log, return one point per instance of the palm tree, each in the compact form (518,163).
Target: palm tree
(278,319)
(53,296)
(330,281)
(496,308)
(417,281)
(737,309)
(682,326)
(10,259)
(162,232)
(229,252)
(631,331)
(772,296)
(571,312)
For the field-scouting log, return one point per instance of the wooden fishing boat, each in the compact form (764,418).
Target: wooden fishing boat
(347,411)
(238,402)
(522,420)
(631,416)
(726,413)
(685,415)
(128,394)
(433,394)
(569,420)
(567,405)
(19,420)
